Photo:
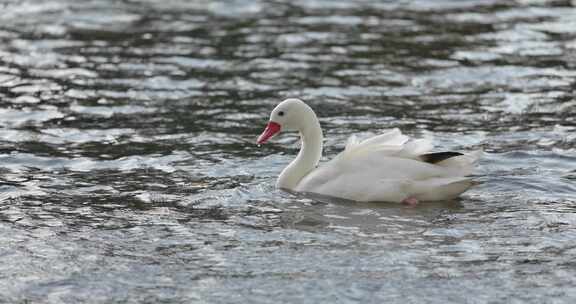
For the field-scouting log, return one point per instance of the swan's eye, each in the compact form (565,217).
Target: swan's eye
(281,113)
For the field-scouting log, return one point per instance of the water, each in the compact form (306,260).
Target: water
(130,172)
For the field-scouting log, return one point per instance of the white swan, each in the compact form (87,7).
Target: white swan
(389,167)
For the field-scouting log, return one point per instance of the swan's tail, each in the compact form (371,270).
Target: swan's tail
(461,165)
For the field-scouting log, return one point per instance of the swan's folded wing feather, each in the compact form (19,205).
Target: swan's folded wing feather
(391,143)
(352,142)
(391,138)
(416,147)
(388,143)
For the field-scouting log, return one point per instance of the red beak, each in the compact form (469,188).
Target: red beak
(271,129)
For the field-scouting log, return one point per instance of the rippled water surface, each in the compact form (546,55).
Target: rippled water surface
(130,174)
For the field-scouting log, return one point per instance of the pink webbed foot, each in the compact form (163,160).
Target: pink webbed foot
(410,201)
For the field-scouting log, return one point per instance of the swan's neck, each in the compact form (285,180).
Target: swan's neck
(307,159)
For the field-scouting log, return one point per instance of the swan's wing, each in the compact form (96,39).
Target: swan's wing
(416,147)
(390,143)
(393,137)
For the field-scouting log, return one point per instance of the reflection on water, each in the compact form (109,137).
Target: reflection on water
(130,174)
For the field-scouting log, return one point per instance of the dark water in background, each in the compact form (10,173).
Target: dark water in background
(130,174)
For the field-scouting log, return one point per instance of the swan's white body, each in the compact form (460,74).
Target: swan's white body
(386,167)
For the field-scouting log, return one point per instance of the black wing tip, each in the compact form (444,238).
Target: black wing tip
(437,157)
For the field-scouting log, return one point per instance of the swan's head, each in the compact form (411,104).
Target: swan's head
(290,115)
